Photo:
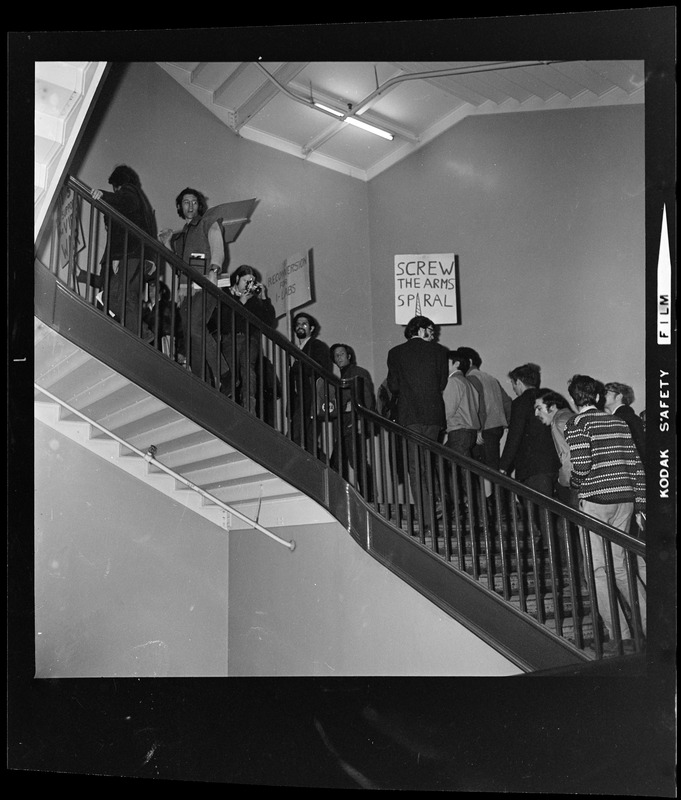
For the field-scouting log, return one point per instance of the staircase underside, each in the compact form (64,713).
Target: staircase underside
(142,420)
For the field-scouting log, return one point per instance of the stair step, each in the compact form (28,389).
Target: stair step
(162,428)
(182,441)
(265,488)
(224,473)
(211,452)
(53,362)
(126,403)
(69,75)
(153,428)
(93,388)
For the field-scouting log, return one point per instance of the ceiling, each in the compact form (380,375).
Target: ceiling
(273,103)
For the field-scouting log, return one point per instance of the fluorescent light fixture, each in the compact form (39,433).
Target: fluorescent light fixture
(330,110)
(358,123)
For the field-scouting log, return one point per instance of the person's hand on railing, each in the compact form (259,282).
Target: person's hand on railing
(97,194)
(164,236)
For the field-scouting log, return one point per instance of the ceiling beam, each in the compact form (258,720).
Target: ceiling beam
(268,91)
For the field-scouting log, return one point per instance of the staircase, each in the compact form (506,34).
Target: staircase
(134,415)
(64,94)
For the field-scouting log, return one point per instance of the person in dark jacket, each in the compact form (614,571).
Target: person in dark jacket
(240,340)
(123,255)
(351,443)
(417,375)
(529,452)
(303,383)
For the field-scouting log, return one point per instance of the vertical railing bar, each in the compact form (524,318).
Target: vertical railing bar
(123,272)
(593,598)
(612,593)
(442,472)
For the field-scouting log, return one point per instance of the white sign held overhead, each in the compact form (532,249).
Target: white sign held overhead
(427,285)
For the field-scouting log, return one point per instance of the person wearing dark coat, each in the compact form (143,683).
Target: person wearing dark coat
(350,444)
(240,341)
(418,370)
(302,382)
(123,255)
(529,452)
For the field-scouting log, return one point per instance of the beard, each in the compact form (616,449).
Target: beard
(300,333)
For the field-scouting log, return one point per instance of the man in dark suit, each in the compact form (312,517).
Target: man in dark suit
(618,400)
(529,453)
(417,375)
(302,381)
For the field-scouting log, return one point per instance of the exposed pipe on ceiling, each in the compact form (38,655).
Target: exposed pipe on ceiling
(438,73)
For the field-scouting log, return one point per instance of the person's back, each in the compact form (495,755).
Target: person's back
(417,374)
(529,448)
(606,467)
(497,402)
(608,475)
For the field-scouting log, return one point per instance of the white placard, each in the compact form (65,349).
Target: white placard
(289,286)
(426,285)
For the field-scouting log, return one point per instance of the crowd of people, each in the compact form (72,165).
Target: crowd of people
(588,457)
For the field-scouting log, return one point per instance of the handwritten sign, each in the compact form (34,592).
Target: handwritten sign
(288,286)
(426,285)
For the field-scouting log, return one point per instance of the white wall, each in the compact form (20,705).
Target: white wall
(546,211)
(130,584)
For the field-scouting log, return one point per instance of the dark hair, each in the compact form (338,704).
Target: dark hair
(551,398)
(464,361)
(200,196)
(123,174)
(244,269)
(351,353)
(415,324)
(471,355)
(529,374)
(314,325)
(621,388)
(586,391)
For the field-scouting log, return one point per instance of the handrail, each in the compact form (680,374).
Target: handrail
(199,278)
(482,470)
(148,455)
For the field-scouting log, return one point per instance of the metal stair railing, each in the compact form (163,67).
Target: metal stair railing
(530,549)
(291,388)
(149,456)
(496,540)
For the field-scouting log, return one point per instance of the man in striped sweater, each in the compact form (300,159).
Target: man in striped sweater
(608,475)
